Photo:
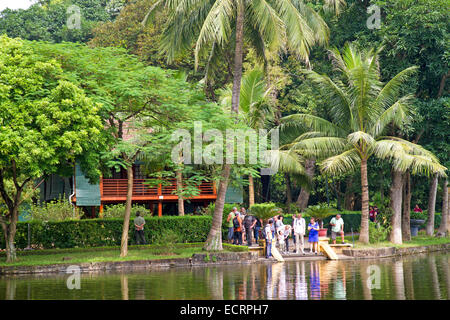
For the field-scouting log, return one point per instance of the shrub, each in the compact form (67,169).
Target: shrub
(107,232)
(264,211)
(118,211)
(56,210)
(168,239)
(320,212)
(377,232)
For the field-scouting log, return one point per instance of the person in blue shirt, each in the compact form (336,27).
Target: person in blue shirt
(313,239)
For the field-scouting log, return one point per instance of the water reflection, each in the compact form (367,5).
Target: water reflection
(420,277)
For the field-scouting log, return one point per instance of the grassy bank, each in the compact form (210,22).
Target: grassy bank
(109,254)
(420,240)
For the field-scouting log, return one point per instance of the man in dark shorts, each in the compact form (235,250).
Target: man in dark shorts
(249,224)
(337,224)
(139,229)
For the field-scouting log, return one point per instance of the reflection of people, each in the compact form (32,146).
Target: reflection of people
(301,288)
(315,281)
(299,226)
(269,237)
(139,228)
(337,224)
(313,238)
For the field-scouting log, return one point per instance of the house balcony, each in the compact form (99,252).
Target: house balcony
(112,190)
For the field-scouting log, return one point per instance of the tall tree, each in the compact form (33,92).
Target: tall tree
(46,124)
(444,227)
(211,24)
(360,109)
(138,103)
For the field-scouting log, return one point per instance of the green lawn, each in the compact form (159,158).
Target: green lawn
(420,240)
(82,255)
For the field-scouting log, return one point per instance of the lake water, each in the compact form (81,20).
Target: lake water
(412,277)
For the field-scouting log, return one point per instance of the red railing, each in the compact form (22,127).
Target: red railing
(141,188)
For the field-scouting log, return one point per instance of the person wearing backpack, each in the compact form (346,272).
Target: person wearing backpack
(230,218)
(237,228)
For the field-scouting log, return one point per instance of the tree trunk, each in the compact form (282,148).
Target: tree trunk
(238,56)
(214,240)
(126,219)
(406,217)
(288,192)
(179,180)
(396,207)
(9,233)
(251,191)
(349,200)
(444,227)
(431,206)
(364,230)
(303,197)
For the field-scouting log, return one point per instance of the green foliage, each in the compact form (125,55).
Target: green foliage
(168,240)
(118,210)
(108,232)
(320,212)
(48,20)
(55,210)
(378,232)
(264,211)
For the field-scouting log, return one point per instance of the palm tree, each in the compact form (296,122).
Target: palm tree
(266,24)
(361,108)
(253,105)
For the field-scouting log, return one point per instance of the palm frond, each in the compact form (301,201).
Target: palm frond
(216,26)
(320,147)
(405,155)
(334,6)
(346,162)
(389,93)
(263,18)
(314,123)
(285,161)
(397,114)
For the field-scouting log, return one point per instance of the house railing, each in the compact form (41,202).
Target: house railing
(142,188)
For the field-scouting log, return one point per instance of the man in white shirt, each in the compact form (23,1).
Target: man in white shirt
(299,225)
(268,232)
(337,224)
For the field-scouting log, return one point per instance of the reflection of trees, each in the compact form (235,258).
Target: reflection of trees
(434,277)
(216,284)
(445,267)
(124,286)
(409,282)
(11,286)
(399,282)
(274,278)
(367,291)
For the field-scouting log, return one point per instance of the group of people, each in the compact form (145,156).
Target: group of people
(242,227)
(276,232)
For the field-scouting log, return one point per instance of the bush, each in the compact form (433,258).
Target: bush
(107,232)
(118,211)
(56,210)
(263,211)
(377,232)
